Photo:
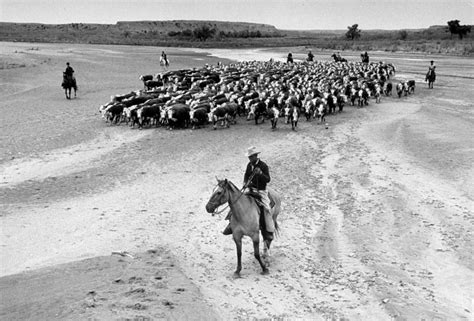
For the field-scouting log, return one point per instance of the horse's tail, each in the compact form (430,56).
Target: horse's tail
(277,228)
(276,209)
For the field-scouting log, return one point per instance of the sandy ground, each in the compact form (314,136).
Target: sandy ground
(377,213)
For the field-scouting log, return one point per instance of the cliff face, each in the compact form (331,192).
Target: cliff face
(180,25)
(124,32)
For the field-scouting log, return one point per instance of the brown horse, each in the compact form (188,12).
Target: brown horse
(245,218)
(69,82)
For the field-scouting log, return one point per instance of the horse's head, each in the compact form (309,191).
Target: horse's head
(219,196)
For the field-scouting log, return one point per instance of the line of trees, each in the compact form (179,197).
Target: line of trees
(454,27)
(204,32)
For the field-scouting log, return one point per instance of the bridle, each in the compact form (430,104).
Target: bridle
(229,201)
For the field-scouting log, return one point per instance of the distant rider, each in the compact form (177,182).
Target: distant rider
(431,74)
(69,73)
(164,59)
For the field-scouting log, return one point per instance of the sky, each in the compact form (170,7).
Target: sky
(283,14)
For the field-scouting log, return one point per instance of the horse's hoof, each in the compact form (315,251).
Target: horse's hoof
(265,272)
(237,275)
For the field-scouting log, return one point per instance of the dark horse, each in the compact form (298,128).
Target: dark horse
(245,218)
(69,82)
(430,77)
(338,58)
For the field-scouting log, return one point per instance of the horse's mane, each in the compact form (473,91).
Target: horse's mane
(232,185)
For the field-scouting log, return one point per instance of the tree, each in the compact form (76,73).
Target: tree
(403,34)
(352,32)
(203,33)
(456,29)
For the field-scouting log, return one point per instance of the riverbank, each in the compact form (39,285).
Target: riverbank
(376,216)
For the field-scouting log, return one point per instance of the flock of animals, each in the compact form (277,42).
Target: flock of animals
(271,90)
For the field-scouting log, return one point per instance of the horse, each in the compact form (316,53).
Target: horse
(430,78)
(245,218)
(69,82)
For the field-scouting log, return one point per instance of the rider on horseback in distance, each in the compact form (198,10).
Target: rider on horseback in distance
(256,177)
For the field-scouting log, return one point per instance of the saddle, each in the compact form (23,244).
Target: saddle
(258,199)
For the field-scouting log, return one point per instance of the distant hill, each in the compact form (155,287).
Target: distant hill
(225,34)
(164,27)
(131,32)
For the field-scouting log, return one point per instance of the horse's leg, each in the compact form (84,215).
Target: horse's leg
(238,245)
(256,252)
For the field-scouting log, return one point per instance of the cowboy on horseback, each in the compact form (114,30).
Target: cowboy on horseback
(256,178)
(69,81)
(164,59)
(431,74)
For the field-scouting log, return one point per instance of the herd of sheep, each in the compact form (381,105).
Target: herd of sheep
(257,90)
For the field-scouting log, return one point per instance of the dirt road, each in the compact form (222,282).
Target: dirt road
(376,215)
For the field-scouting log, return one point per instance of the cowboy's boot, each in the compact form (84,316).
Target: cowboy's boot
(227,230)
(269,224)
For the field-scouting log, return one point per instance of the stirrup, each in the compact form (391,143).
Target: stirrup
(227,230)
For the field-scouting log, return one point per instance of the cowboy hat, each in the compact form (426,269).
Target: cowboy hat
(252,151)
